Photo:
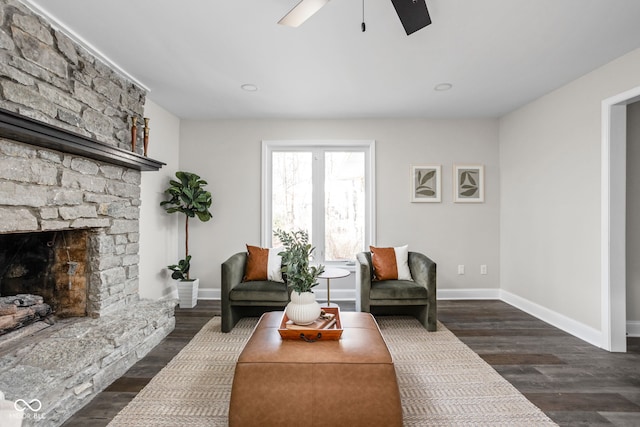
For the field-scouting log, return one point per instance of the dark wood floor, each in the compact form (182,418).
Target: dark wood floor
(573,382)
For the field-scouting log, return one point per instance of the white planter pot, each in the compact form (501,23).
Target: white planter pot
(188,292)
(303,308)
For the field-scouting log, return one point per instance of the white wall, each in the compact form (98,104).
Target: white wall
(633,212)
(550,194)
(159,244)
(227,154)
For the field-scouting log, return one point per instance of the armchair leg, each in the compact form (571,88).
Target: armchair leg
(365,307)
(230,317)
(428,317)
(432,317)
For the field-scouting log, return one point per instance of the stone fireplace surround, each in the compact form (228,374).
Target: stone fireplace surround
(66,164)
(43,189)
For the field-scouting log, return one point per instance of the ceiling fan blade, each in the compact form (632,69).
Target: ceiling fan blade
(413,14)
(301,12)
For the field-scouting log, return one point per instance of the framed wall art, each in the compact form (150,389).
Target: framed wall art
(426,184)
(468,183)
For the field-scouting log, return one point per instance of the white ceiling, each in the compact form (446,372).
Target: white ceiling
(193,55)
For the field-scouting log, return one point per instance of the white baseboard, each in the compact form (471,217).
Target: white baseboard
(456,294)
(208,293)
(633,328)
(350,294)
(560,321)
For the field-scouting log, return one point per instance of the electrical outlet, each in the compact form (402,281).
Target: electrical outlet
(461,269)
(483,269)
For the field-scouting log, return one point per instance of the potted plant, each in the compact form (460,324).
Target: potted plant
(300,276)
(187,196)
(181,269)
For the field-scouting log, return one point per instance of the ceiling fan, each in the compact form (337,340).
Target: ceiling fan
(412,13)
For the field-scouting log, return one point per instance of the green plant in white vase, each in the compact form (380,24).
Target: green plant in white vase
(187,196)
(299,275)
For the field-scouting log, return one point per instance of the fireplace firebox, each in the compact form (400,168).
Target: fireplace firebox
(51,264)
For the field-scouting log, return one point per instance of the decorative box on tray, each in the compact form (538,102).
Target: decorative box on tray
(326,327)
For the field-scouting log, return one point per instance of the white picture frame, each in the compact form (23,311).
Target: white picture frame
(468,183)
(426,183)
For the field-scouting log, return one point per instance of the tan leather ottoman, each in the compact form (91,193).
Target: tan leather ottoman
(350,382)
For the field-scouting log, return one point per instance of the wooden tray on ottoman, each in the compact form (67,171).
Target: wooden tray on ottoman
(312,333)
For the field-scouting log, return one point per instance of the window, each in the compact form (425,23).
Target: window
(324,187)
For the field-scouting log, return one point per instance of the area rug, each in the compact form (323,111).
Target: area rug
(442,382)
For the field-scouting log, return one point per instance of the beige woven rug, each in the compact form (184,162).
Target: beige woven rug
(442,382)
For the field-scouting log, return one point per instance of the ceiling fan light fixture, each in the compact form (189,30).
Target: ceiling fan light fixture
(301,12)
(413,14)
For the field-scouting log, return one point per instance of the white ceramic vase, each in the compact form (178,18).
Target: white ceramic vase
(303,308)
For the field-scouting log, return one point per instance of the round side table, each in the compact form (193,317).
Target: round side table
(332,273)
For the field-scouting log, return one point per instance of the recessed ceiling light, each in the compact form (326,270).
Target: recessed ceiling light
(249,87)
(442,87)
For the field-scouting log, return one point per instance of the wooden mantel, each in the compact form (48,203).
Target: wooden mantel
(24,129)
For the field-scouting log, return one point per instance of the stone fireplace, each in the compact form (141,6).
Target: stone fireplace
(42,190)
(75,213)
(70,191)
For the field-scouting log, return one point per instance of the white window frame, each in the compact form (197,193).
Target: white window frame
(365,146)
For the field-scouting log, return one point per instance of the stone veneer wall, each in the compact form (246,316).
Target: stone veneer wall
(46,76)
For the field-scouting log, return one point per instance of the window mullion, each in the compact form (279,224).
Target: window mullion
(318,205)
(266,190)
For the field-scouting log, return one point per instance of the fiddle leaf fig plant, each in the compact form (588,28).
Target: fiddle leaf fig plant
(295,260)
(181,270)
(187,196)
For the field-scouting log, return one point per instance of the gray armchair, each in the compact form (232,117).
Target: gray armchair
(243,299)
(416,298)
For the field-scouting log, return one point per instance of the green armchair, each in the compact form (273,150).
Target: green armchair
(244,299)
(416,298)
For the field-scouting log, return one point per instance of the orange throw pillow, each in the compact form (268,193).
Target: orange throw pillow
(391,263)
(384,263)
(263,264)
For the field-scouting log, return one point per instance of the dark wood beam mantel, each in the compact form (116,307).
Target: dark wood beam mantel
(25,129)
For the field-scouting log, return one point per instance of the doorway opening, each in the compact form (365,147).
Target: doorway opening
(613,225)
